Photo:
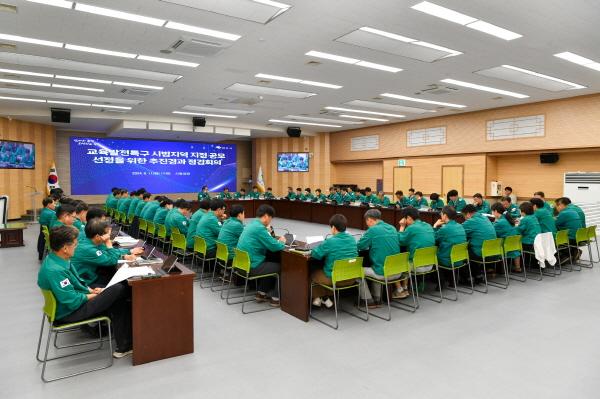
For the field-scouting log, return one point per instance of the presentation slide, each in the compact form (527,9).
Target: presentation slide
(17,155)
(98,164)
(292,162)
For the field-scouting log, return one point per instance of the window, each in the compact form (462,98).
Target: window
(430,136)
(516,128)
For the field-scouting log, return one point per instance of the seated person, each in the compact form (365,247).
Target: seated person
(75,301)
(447,234)
(419,201)
(232,229)
(508,192)
(381,240)
(240,194)
(299,195)
(344,195)
(308,196)
(413,234)
(545,219)
(333,196)
(81,210)
(179,217)
(455,201)
(142,204)
(46,218)
(510,207)
(319,196)
(411,197)
(542,196)
(568,219)
(340,245)
(161,214)
(256,240)
(401,200)
(369,197)
(505,227)
(194,220)
(529,228)
(436,203)
(566,201)
(65,216)
(290,194)
(382,199)
(124,201)
(203,193)
(351,194)
(95,251)
(151,207)
(136,198)
(481,205)
(254,194)
(225,194)
(269,193)
(478,229)
(210,226)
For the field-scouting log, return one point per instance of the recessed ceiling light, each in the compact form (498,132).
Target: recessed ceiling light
(320,120)
(107,12)
(577,59)
(530,78)
(126,84)
(98,51)
(202,31)
(484,88)
(273,4)
(270,91)
(220,110)
(294,80)
(387,107)
(420,100)
(110,106)
(301,123)
(65,77)
(465,20)
(24,82)
(366,118)
(353,61)
(16,72)
(33,100)
(167,61)
(359,111)
(68,103)
(77,87)
(56,3)
(23,39)
(203,114)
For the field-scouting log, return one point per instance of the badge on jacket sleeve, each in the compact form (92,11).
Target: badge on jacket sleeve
(99,253)
(65,283)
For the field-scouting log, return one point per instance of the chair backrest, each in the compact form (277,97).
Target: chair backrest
(425,257)
(581,235)
(513,243)
(492,248)
(49,305)
(151,229)
(562,237)
(222,252)
(241,260)
(121,217)
(459,253)
(347,269)
(130,218)
(162,231)
(178,240)
(592,233)
(143,225)
(175,230)
(200,245)
(46,238)
(396,264)
(45,229)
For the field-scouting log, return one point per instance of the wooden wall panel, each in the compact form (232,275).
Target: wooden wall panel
(363,174)
(16,183)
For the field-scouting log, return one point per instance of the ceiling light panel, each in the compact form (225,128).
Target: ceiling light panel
(260,11)
(68,103)
(204,114)
(294,80)
(386,106)
(55,3)
(98,51)
(26,73)
(268,91)
(107,12)
(465,20)
(218,110)
(60,86)
(484,88)
(421,100)
(76,78)
(24,82)
(126,84)
(167,61)
(353,61)
(23,39)
(366,118)
(321,120)
(202,31)
(392,43)
(285,122)
(360,111)
(68,96)
(33,100)
(577,59)
(110,106)
(529,78)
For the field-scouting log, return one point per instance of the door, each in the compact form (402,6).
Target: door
(402,179)
(452,178)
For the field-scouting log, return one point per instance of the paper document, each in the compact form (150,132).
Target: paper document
(313,239)
(126,272)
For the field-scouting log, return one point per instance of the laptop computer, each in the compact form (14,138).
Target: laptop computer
(289,239)
(311,243)
(148,251)
(114,232)
(168,265)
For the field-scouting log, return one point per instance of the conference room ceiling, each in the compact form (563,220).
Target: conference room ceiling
(274,41)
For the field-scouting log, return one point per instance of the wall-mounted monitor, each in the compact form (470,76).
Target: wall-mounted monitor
(17,155)
(292,162)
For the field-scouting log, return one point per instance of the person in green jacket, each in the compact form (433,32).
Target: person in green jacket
(478,229)
(256,241)
(240,194)
(319,196)
(269,193)
(545,219)
(254,194)
(382,199)
(436,203)
(290,194)
(401,200)
(351,194)
(95,259)
(114,201)
(203,193)
(194,220)
(510,207)
(567,202)
(455,201)
(542,196)
(411,197)
(568,219)
(75,301)
(369,197)
(161,213)
(308,195)
(225,194)
(448,233)
(110,196)
(142,204)
(124,202)
(232,229)
(381,240)
(179,217)
(136,197)
(420,201)
(481,204)
(47,215)
(210,225)
(505,227)
(529,228)
(340,245)
(151,207)
(81,210)
(299,195)
(65,216)
(333,196)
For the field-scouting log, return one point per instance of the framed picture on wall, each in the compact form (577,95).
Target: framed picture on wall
(292,162)
(17,155)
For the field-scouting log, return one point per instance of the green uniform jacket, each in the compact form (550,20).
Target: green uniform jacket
(178,220)
(422,203)
(160,215)
(133,206)
(478,229)
(290,195)
(269,195)
(308,197)
(56,223)
(79,225)
(404,202)
(239,195)
(230,234)
(254,195)
(47,217)
(411,200)
(203,195)
(89,257)
(514,211)
(150,210)
(417,235)
(568,219)
(446,237)
(546,221)
(458,205)
(504,229)
(225,195)
(140,207)
(484,207)
(60,277)
(548,207)
(300,197)
(579,212)
(113,203)
(194,220)
(438,204)
(381,240)
(352,196)
(209,228)
(334,197)
(339,246)
(371,199)
(256,240)
(321,198)
(109,199)
(529,228)
(123,204)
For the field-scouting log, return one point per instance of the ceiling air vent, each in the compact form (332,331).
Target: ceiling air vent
(136,92)
(438,90)
(8,8)
(198,47)
(313,63)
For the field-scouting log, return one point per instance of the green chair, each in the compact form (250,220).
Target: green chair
(150,231)
(179,246)
(143,228)
(592,238)
(582,239)
(343,270)
(175,230)
(511,244)
(241,268)
(221,261)
(129,219)
(491,250)
(425,257)
(459,258)
(161,236)
(46,234)
(200,251)
(49,317)
(395,265)
(562,243)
